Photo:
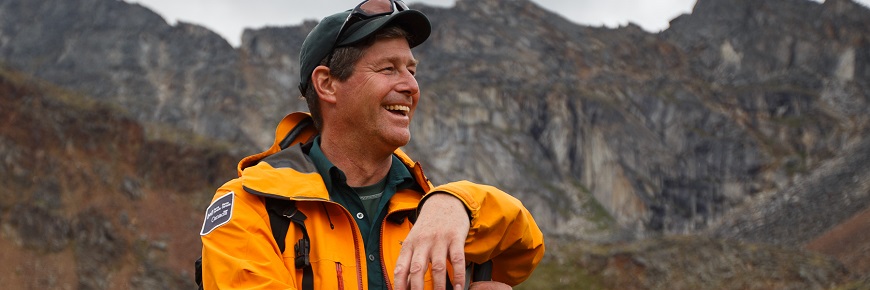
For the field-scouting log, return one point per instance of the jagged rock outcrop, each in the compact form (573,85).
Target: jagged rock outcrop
(184,75)
(799,213)
(592,128)
(270,58)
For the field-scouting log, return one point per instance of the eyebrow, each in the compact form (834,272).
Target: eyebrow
(414,61)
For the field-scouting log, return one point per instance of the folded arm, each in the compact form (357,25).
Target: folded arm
(465,221)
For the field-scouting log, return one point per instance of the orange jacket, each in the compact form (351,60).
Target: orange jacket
(239,251)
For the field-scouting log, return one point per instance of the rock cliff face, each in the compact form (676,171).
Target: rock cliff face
(668,132)
(800,86)
(601,132)
(184,75)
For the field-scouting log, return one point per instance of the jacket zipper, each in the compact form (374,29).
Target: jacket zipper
(340,276)
(356,244)
(352,222)
(381,248)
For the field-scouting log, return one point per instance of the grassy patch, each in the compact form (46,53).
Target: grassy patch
(554,275)
(596,212)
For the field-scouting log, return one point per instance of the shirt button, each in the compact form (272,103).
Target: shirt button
(372,258)
(359,215)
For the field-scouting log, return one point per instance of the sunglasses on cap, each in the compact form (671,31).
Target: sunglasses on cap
(369,9)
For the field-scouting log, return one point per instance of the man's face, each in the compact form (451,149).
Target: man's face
(377,102)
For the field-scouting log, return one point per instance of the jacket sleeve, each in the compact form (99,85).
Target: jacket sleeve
(502,230)
(240,253)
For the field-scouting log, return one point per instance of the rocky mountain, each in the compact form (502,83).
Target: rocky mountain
(745,120)
(185,75)
(92,201)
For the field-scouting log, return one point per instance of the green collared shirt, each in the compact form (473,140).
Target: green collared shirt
(398,178)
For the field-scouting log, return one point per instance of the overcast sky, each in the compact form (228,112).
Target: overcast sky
(230,17)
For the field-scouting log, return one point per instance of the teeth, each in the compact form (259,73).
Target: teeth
(398,108)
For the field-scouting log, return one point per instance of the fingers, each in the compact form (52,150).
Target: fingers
(417,272)
(411,266)
(412,276)
(401,272)
(410,273)
(457,260)
(438,238)
(439,267)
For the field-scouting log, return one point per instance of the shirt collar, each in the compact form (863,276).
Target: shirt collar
(398,176)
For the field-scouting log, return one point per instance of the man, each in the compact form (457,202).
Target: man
(364,216)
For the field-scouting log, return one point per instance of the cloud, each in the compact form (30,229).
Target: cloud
(651,15)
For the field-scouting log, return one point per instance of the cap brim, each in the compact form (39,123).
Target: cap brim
(412,21)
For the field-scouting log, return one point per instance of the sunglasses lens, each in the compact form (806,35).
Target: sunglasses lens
(368,9)
(374,7)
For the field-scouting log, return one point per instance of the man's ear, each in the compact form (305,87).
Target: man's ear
(324,83)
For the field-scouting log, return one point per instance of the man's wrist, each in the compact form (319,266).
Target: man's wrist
(446,197)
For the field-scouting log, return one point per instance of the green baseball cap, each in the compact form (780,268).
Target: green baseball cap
(321,41)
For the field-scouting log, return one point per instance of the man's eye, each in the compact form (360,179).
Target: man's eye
(388,69)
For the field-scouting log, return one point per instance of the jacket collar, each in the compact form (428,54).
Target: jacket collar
(270,172)
(296,128)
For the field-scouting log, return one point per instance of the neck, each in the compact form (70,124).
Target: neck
(360,163)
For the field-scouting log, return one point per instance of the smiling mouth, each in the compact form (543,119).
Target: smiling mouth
(398,109)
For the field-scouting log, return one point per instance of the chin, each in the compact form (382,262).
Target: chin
(399,140)
(404,142)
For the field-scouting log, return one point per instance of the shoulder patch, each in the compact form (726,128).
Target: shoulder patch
(218,213)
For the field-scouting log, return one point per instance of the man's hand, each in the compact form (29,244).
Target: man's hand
(438,236)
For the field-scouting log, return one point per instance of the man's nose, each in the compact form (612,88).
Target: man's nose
(408,84)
